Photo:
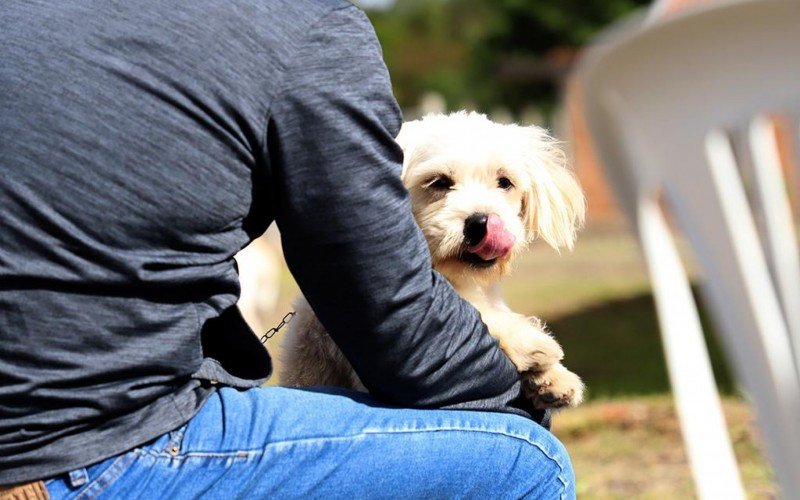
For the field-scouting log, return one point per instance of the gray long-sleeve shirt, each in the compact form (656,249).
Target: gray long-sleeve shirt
(142,144)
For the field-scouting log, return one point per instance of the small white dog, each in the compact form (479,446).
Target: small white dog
(480,192)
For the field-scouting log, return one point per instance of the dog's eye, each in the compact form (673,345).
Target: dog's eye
(504,183)
(441,183)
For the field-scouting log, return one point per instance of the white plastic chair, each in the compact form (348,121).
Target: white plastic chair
(665,104)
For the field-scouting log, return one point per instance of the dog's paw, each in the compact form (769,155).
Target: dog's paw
(554,388)
(533,351)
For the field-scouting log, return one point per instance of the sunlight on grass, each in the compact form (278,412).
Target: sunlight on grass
(606,264)
(632,448)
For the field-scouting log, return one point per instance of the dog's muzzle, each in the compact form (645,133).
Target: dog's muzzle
(487,237)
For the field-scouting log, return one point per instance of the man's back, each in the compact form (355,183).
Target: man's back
(132,166)
(142,144)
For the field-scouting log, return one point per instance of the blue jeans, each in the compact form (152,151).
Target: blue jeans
(290,443)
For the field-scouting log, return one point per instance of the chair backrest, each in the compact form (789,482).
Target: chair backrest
(677,111)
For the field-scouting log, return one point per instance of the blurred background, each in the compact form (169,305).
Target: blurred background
(512,60)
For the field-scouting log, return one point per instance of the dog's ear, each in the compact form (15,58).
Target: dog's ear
(553,206)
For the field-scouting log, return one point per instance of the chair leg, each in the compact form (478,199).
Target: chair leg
(779,235)
(723,235)
(705,435)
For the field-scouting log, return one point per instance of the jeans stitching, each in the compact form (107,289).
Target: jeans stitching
(243,454)
(202,454)
(107,477)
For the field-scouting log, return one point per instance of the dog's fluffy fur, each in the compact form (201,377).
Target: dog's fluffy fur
(469,155)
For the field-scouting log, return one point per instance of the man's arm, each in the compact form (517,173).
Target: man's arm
(350,239)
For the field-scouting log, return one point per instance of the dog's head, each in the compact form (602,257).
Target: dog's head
(481,191)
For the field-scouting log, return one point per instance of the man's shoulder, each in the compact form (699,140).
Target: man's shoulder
(318,6)
(301,10)
(286,21)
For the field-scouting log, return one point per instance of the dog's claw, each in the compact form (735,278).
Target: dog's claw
(554,388)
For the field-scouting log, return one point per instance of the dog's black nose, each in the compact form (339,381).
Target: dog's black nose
(475,228)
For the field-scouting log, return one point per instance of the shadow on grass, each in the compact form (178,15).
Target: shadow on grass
(616,348)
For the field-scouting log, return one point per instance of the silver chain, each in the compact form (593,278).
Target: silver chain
(272,331)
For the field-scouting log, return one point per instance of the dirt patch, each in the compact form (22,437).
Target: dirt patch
(634,449)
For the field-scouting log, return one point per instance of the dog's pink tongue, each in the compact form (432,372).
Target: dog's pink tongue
(497,242)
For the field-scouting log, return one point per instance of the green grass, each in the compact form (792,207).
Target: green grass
(616,347)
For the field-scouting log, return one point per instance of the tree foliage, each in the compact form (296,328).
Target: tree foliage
(458,47)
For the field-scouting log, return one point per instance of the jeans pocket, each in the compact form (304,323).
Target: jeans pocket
(95,487)
(90,482)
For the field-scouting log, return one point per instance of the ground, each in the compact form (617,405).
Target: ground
(632,448)
(624,441)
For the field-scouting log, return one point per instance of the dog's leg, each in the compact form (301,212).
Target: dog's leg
(309,357)
(536,354)
(524,340)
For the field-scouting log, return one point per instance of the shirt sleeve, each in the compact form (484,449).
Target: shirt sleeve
(350,239)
